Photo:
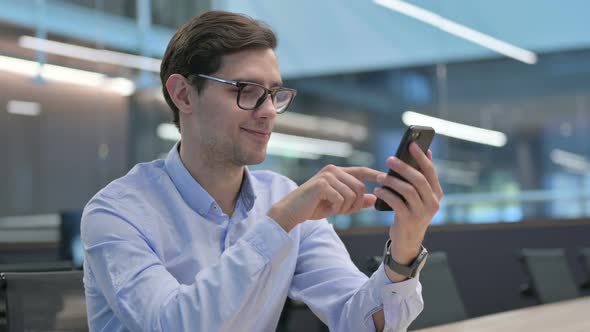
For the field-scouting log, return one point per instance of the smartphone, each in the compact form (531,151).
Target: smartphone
(423,137)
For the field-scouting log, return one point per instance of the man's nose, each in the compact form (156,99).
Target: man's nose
(267,109)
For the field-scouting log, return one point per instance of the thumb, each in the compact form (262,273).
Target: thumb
(369,200)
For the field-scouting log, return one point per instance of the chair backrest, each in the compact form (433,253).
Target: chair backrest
(549,275)
(37,266)
(585,259)
(45,301)
(442,301)
(70,245)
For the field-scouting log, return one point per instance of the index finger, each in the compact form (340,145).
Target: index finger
(426,167)
(363,173)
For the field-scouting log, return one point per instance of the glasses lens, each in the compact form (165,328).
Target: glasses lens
(282,99)
(249,96)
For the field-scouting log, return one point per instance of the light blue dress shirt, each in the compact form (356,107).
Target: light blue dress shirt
(160,255)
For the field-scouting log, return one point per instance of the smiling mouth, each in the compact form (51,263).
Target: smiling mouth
(261,134)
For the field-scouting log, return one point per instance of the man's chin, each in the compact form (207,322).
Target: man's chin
(255,160)
(251,158)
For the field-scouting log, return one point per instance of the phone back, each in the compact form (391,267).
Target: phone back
(423,137)
(419,134)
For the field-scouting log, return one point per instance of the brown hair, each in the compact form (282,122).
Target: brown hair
(197,46)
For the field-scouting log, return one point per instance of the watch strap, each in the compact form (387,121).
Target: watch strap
(410,270)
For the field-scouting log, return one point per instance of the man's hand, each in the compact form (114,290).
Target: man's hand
(422,193)
(333,190)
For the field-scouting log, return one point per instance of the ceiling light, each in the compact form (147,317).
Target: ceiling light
(275,151)
(324,125)
(90,54)
(123,86)
(282,144)
(23,108)
(460,30)
(570,160)
(310,145)
(168,131)
(456,130)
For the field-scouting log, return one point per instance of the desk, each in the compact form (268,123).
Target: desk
(570,316)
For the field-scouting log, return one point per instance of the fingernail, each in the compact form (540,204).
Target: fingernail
(380,178)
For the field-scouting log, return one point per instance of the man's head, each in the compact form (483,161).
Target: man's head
(230,47)
(199,45)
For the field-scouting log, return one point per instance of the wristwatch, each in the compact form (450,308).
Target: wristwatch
(410,270)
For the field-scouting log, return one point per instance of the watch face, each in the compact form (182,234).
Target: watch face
(409,271)
(421,264)
(418,264)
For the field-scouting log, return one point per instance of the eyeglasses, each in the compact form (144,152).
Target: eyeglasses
(252,95)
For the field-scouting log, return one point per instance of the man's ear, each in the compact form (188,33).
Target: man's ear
(180,92)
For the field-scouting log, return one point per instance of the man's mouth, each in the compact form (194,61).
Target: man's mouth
(257,133)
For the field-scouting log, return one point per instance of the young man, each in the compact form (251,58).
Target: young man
(197,242)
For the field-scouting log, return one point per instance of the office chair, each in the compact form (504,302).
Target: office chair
(584,256)
(550,279)
(44,301)
(70,244)
(294,310)
(28,267)
(442,301)
(37,266)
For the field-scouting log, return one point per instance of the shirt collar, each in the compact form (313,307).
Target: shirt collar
(247,193)
(195,195)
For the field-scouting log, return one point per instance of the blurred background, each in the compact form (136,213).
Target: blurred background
(75,116)
(506,84)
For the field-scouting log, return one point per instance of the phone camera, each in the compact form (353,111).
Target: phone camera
(416,135)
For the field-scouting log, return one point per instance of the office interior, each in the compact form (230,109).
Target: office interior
(505,84)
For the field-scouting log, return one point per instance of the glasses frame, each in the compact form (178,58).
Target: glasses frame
(242,84)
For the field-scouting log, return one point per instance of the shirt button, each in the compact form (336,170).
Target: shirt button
(387,292)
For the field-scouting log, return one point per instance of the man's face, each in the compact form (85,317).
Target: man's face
(223,132)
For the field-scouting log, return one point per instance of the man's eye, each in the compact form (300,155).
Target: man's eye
(251,89)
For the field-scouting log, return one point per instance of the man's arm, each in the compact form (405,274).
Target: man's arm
(342,296)
(146,297)
(422,194)
(338,190)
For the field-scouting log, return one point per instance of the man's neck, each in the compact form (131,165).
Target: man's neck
(221,181)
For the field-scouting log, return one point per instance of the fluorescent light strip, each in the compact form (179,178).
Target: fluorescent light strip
(282,144)
(456,130)
(123,86)
(460,30)
(90,54)
(291,154)
(310,145)
(23,108)
(570,160)
(328,126)
(168,132)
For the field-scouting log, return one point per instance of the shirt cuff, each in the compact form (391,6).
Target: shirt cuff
(383,288)
(269,239)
